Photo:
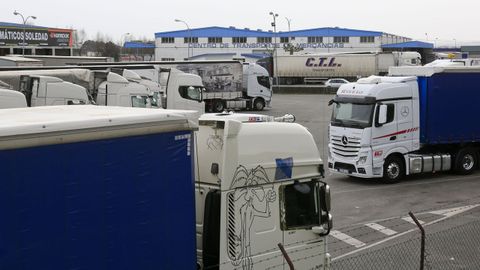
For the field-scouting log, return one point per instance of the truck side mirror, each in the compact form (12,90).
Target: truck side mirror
(325,198)
(382,115)
(326,220)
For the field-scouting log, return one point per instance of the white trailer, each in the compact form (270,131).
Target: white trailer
(317,68)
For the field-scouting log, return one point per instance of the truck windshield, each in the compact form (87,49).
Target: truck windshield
(155,99)
(264,81)
(141,102)
(352,115)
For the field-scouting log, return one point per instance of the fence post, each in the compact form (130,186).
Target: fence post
(422,248)
(287,258)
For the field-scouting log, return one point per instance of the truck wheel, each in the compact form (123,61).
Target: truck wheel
(218,106)
(258,104)
(465,161)
(393,170)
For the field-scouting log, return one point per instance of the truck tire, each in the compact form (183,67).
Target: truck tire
(393,170)
(258,104)
(218,106)
(465,161)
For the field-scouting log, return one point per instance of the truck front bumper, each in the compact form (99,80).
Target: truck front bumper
(346,168)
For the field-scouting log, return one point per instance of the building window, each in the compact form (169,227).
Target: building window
(190,40)
(264,40)
(168,40)
(367,39)
(315,39)
(341,39)
(214,40)
(167,59)
(239,40)
(284,39)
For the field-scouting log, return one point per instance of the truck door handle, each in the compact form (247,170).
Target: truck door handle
(393,138)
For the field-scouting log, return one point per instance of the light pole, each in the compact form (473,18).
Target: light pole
(288,22)
(189,39)
(123,39)
(275,53)
(455,40)
(24,26)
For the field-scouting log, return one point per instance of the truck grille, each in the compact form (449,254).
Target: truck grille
(348,149)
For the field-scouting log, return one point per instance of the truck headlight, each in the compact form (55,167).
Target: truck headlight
(362,160)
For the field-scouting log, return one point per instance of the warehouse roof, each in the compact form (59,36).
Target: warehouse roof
(330,32)
(216,31)
(409,44)
(138,45)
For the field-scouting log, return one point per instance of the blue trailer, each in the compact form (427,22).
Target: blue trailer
(86,187)
(449,107)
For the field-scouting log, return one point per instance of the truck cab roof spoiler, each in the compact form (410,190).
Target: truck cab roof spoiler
(355,99)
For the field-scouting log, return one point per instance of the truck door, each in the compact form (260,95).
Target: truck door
(384,137)
(33,91)
(26,87)
(302,215)
(250,225)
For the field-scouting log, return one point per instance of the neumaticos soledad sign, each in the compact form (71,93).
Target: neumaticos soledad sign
(35,37)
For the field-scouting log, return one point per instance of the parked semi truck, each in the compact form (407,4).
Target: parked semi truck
(43,91)
(252,184)
(318,68)
(259,185)
(417,120)
(75,85)
(124,86)
(228,84)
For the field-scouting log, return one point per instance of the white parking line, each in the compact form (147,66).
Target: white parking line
(410,220)
(347,239)
(381,229)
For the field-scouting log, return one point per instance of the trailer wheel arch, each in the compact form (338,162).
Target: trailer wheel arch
(466,160)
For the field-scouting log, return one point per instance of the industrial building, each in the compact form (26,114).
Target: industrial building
(227,43)
(34,40)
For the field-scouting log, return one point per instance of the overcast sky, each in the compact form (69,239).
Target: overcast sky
(439,20)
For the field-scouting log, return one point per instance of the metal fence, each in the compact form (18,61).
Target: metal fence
(452,241)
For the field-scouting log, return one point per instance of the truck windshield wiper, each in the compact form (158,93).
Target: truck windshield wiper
(354,124)
(337,122)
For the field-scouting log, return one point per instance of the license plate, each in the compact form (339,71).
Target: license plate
(343,171)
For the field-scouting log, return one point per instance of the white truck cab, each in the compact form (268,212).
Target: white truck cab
(12,99)
(49,91)
(118,91)
(182,90)
(258,185)
(257,84)
(374,124)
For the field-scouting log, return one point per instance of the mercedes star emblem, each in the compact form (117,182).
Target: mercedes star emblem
(345,140)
